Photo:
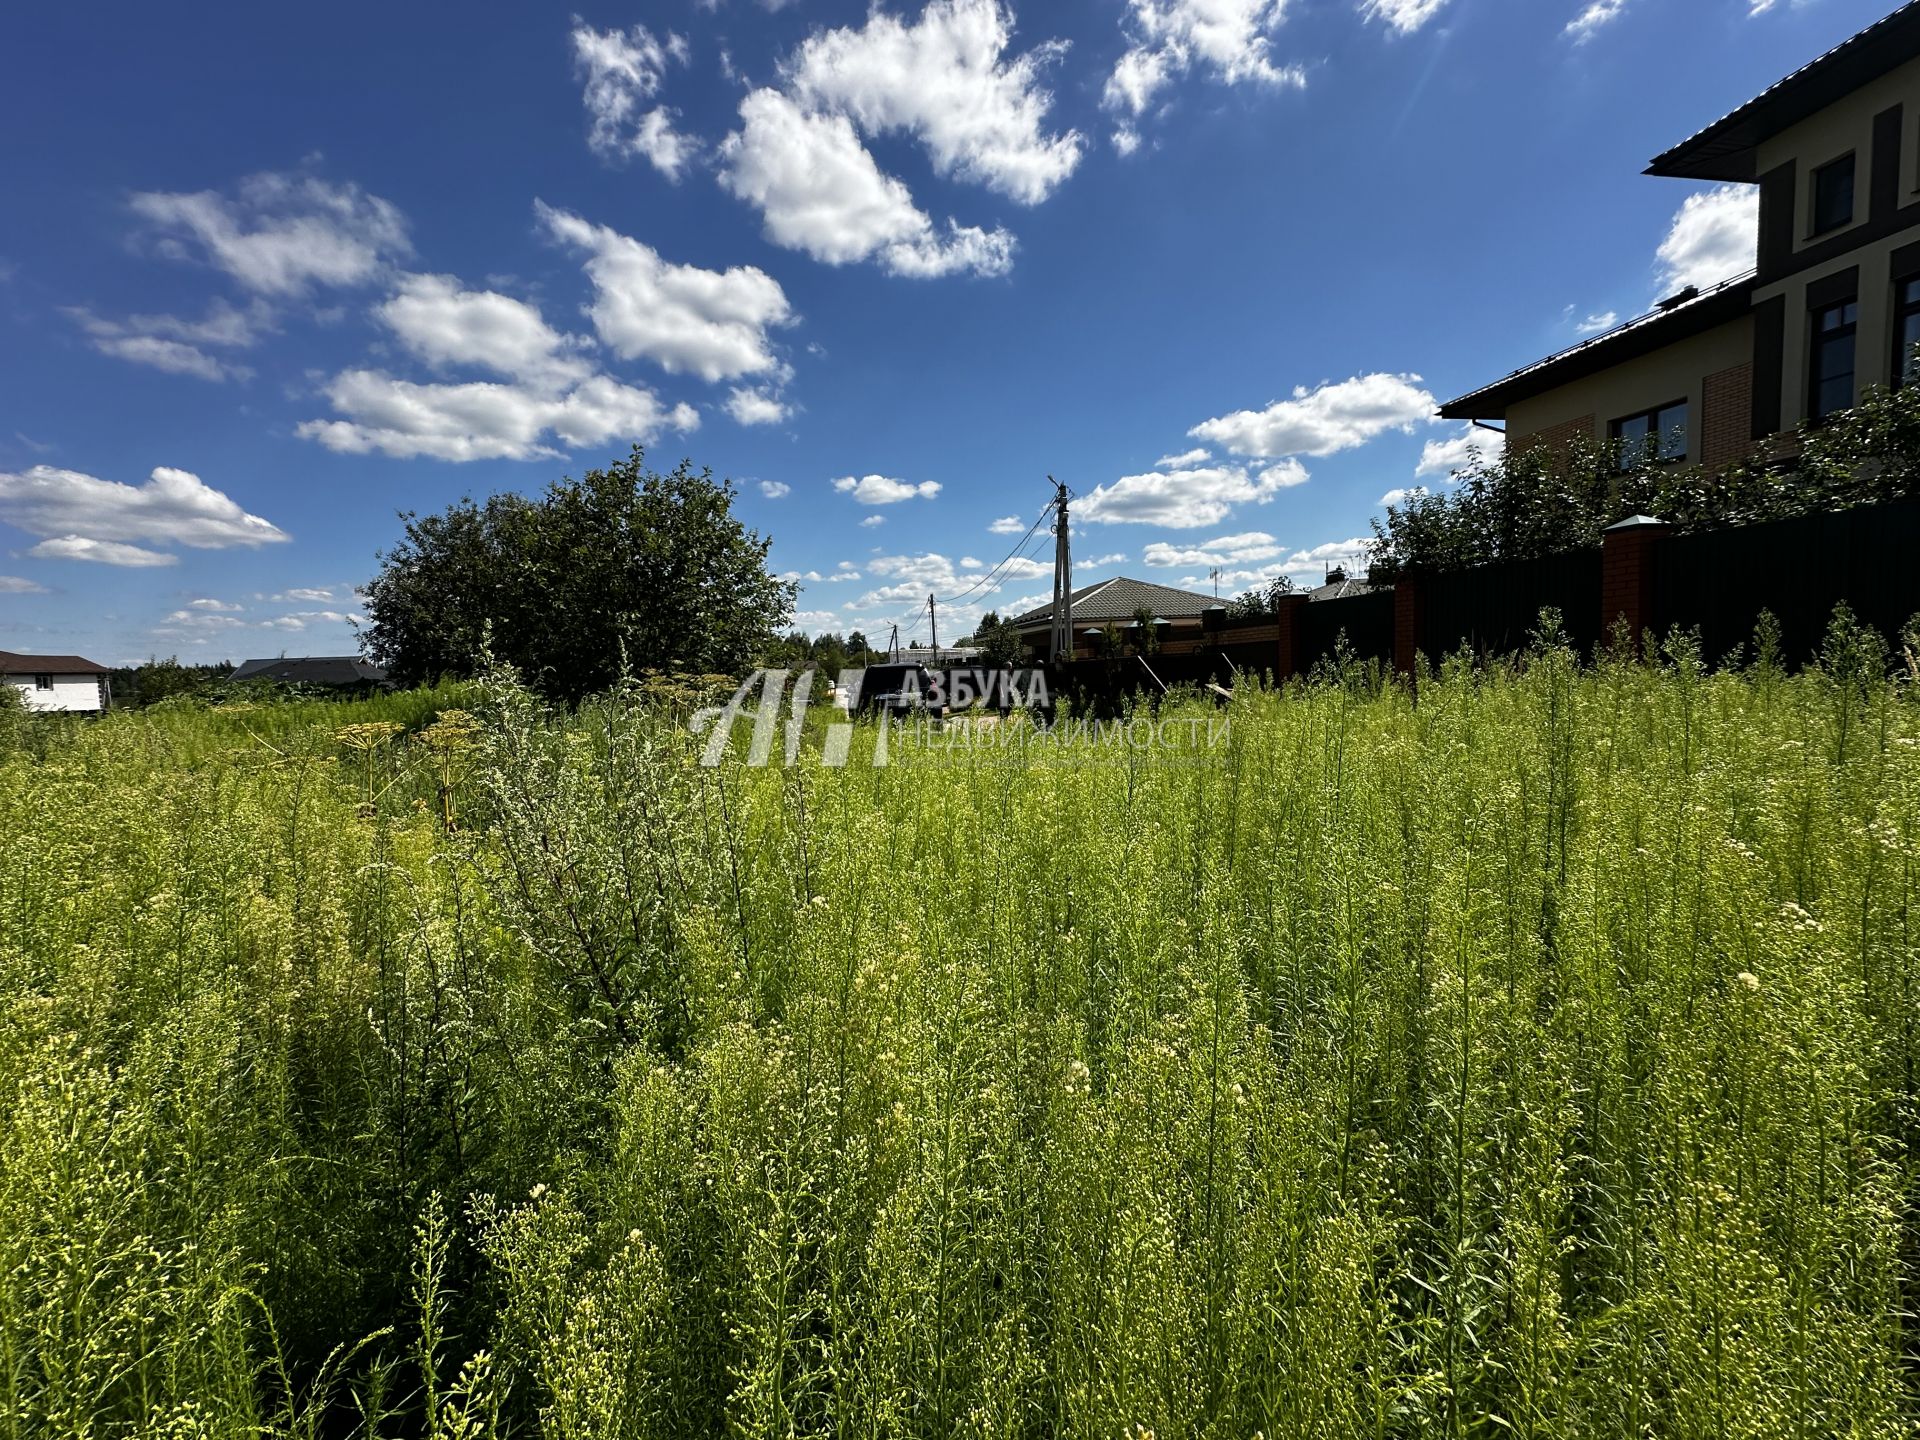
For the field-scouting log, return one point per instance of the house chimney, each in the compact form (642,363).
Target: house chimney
(1337,575)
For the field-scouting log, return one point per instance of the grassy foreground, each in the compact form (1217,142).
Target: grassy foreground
(1538,1059)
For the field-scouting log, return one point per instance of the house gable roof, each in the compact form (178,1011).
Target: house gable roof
(1118,598)
(1726,149)
(1673,320)
(14,663)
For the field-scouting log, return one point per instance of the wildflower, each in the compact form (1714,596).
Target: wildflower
(633,1236)
(1748,979)
(1799,917)
(537,1191)
(819,902)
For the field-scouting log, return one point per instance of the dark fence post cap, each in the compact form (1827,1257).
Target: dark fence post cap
(1633,522)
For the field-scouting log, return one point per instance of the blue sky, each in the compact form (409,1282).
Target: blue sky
(269,275)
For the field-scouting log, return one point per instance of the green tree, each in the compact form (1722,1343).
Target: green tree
(621,563)
(1261,601)
(137,685)
(998,640)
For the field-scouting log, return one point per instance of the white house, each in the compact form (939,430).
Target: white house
(56,682)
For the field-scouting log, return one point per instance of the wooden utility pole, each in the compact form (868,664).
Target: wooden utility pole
(933,630)
(1062,639)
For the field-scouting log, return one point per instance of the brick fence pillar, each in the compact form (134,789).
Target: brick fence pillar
(1290,615)
(1629,558)
(1406,625)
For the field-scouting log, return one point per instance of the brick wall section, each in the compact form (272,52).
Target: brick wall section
(1406,626)
(1628,555)
(1556,436)
(1727,399)
(1291,618)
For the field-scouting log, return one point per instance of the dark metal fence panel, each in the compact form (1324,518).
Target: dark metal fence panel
(1366,620)
(1495,608)
(1720,581)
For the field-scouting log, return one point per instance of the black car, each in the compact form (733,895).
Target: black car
(898,690)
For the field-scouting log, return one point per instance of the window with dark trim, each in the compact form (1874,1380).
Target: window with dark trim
(43,682)
(1830,375)
(1906,331)
(1832,196)
(1653,437)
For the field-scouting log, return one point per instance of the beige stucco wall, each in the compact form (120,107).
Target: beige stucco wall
(1847,125)
(1674,372)
(1812,143)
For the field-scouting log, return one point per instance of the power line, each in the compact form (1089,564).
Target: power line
(985,577)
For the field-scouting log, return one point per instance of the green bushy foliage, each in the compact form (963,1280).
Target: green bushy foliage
(1544,500)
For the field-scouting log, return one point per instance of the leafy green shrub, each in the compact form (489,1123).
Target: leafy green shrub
(1543,500)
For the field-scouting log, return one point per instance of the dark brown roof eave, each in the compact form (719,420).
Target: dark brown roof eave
(1726,149)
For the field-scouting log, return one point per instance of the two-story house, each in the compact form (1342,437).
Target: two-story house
(67,683)
(1831,307)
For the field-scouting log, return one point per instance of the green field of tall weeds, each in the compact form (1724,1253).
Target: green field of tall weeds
(1532,1054)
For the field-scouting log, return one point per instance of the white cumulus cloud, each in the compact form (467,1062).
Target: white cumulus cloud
(619,71)
(281,234)
(1321,421)
(1253,546)
(102,552)
(756,407)
(948,81)
(446,325)
(486,421)
(710,323)
(173,506)
(1230,40)
(1714,236)
(1403,16)
(18,585)
(178,345)
(881,490)
(1456,452)
(301,619)
(1593,18)
(175,357)
(775,489)
(1008,525)
(1185,499)
(820,192)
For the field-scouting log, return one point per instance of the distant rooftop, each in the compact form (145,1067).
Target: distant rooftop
(1118,598)
(1726,149)
(313,670)
(14,663)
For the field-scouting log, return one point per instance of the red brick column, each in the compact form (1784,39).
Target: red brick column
(1629,557)
(1406,625)
(1290,617)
